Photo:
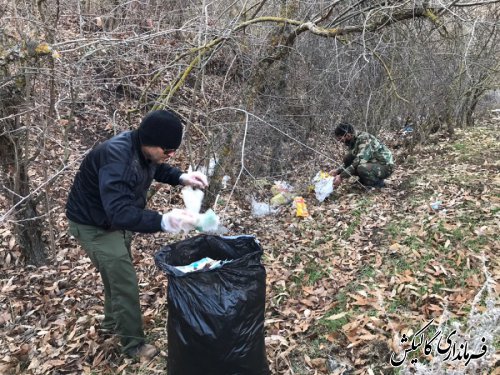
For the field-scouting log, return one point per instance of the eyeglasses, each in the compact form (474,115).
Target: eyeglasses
(168,151)
(342,137)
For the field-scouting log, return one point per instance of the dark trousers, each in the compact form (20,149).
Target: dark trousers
(110,253)
(369,173)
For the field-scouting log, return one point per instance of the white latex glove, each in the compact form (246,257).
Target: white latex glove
(177,220)
(194,179)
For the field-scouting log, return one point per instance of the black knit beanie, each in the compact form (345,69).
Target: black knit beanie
(161,128)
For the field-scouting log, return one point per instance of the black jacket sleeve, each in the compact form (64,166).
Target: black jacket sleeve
(116,186)
(167,174)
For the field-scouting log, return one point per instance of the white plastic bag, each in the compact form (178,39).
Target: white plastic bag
(208,221)
(281,187)
(323,185)
(202,264)
(260,209)
(192,199)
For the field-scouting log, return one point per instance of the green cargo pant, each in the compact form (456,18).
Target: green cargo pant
(369,174)
(110,253)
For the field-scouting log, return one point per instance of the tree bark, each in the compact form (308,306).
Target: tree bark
(15,153)
(16,186)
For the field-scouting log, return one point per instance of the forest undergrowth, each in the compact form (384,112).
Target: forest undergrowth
(344,286)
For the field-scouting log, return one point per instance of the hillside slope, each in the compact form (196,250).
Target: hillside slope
(343,286)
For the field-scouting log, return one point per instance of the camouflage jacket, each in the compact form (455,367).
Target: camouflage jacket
(367,149)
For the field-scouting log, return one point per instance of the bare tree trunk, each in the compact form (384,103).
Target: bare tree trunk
(225,165)
(16,185)
(16,153)
(29,234)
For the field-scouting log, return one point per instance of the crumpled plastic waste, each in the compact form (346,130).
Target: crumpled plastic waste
(436,205)
(206,171)
(438,208)
(281,199)
(282,193)
(192,199)
(206,263)
(260,209)
(281,187)
(301,207)
(207,221)
(323,185)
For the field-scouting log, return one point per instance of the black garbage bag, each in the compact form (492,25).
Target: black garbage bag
(215,322)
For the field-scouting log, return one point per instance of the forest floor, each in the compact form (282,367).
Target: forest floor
(345,286)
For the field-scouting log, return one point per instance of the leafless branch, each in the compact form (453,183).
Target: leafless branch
(474,4)
(39,188)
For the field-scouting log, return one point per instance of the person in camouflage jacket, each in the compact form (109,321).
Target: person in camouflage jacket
(367,158)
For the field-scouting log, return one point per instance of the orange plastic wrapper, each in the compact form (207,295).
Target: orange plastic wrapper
(301,207)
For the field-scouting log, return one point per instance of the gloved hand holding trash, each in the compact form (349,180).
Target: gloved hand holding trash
(178,220)
(195,179)
(190,218)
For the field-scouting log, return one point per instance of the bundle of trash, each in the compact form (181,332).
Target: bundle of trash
(207,221)
(203,264)
(282,193)
(260,209)
(323,185)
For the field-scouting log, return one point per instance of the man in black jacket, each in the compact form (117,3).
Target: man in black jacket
(107,203)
